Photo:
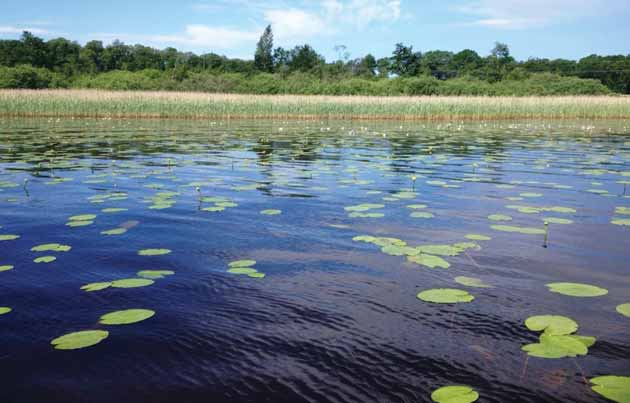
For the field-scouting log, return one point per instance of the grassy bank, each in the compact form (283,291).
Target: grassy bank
(94,103)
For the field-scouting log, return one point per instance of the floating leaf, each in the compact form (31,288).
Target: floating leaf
(213,209)
(79,223)
(556,220)
(113,210)
(96,286)
(364,207)
(271,212)
(552,324)
(153,274)
(440,250)
(417,206)
(114,231)
(242,270)
(445,296)
(616,221)
(45,259)
(455,394)
(76,340)
(551,346)
(429,261)
(242,263)
(577,290)
(366,215)
(521,230)
(624,309)
(6,267)
(82,217)
(615,388)
(478,237)
(471,282)
(131,283)
(499,217)
(126,317)
(256,275)
(8,237)
(5,309)
(51,247)
(421,214)
(154,252)
(622,210)
(395,250)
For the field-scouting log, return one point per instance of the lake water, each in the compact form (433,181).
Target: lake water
(333,319)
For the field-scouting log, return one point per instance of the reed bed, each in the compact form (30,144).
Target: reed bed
(184,105)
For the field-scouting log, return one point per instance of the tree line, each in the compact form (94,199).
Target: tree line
(32,62)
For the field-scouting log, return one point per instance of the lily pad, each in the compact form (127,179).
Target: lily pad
(271,212)
(445,296)
(552,346)
(6,267)
(472,282)
(556,220)
(45,259)
(478,237)
(153,274)
(521,230)
(76,340)
(499,217)
(577,290)
(242,263)
(616,221)
(51,247)
(624,309)
(126,317)
(615,388)
(154,252)
(8,237)
(112,210)
(5,309)
(256,275)
(429,261)
(82,217)
(131,283)
(96,286)
(79,223)
(552,324)
(242,270)
(421,214)
(455,394)
(114,231)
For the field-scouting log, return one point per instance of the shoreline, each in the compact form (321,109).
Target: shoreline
(83,103)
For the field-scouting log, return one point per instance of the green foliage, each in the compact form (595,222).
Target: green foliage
(26,76)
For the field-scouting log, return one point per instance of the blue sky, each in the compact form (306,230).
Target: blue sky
(541,28)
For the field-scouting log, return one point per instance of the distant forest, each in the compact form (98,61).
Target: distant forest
(31,62)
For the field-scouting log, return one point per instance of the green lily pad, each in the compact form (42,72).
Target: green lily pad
(79,223)
(395,250)
(51,247)
(551,346)
(6,267)
(366,215)
(577,290)
(131,283)
(440,250)
(242,263)
(153,274)
(364,207)
(112,210)
(256,275)
(478,237)
(82,217)
(417,206)
(455,394)
(616,221)
(242,270)
(76,340)
(154,252)
(5,309)
(271,212)
(126,317)
(615,388)
(114,231)
(8,237)
(445,296)
(472,282)
(421,214)
(622,210)
(552,324)
(521,230)
(45,259)
(96,286)
(213,209)
(624,309)
(429,261)
(556,220)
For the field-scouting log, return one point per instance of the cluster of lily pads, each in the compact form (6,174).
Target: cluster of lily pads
(244,267)
(49,247)
(219,203)
(557,339)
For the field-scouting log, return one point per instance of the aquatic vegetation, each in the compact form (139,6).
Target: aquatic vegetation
(45,259)
(111,210)
(478,237)
(616,221)
(242,270)
(624,309)
(4,310)
(154,274)
(8,237)
(242,263)
(429,261)
(96,286)
(615,388)
(421,214)
(499,217)
(83,217)
(271,212)
(557,339)
(126,316)
(556,220)
(455,394)
(77,340)
(51,247)
(622,210)
(577,289)
(154,252)
(552,324)
(6,267)
(244,267)
(131,283)
(520,230)
(445,296)
(472,282)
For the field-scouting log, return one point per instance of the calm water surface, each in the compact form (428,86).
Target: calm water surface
(333,320)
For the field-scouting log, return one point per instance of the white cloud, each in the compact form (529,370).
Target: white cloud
(295,23)
(522,14)
(7,29)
